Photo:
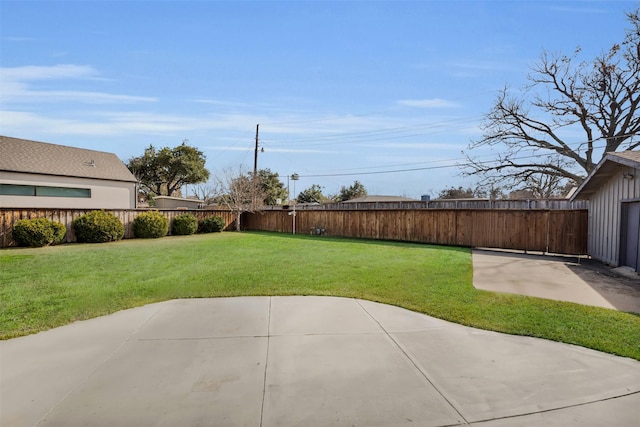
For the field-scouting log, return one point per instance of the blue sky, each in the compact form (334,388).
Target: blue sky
(385,92)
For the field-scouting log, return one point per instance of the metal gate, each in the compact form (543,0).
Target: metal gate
(630,235)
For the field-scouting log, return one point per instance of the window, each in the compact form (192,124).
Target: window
(17,190)
(43,191)
(63,192)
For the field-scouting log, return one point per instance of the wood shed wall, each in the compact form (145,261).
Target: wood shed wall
(605,214)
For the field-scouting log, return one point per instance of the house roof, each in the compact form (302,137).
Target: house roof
(373,199)
(604,170)
(25,156)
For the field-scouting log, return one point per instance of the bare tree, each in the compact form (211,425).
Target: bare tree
(600,99)
(234,189)
(544,186)
(206,191)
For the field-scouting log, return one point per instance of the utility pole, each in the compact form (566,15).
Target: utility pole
(255,172)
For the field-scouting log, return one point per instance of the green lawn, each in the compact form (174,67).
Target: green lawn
(48,287)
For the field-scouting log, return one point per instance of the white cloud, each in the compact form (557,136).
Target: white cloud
(34,72)
(428,103)
(18,85)
(18,123)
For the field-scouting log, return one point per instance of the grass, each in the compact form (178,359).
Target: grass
(48,287)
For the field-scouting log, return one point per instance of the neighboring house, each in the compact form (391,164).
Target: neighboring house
(48,176)
(613,191)
(166,202)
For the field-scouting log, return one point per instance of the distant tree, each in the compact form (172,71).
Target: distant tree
(312,194)
(354,191)
(270,187)
(163,172)
(457,193)
(205,191)
(234,189)
(543,186)
(489,192)
(598,100)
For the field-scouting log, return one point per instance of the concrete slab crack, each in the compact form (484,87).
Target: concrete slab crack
(266,361)
(413,362)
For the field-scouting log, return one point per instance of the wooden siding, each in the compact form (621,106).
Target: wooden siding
(563,231)
(605,214)
(8,217)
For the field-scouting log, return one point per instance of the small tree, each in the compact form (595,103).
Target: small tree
(456,193)
(235,190)
(205,191)
(270,187)
(312,194)
(354,191)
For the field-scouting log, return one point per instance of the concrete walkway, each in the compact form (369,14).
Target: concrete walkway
(560,278)
(304,361)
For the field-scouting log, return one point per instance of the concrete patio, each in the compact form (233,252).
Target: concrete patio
(292,361)
(562,278)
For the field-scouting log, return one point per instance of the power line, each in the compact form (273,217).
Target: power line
(434,167)
(355,137)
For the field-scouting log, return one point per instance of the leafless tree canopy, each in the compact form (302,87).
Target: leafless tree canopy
(234,189)
(600,99)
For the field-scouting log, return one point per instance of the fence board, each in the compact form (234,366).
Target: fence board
(562,231)
(474,204)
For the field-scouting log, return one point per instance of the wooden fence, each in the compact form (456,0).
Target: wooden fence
(8,217)
(549,231)
(552,204)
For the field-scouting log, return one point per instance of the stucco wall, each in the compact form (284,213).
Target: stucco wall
(104,194)
(163,202)
(605,214)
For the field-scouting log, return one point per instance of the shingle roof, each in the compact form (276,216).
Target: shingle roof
(22,155)
(633,156)
(604,170)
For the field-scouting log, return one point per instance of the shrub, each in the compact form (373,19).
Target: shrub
(184,225)
(150,225)
(98,227)
(59,231)
(212,224)
(38,232)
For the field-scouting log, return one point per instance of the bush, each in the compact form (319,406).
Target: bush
(150,225)
(184,225)
(38,232)
(212,224)
(59,231)
(98,227)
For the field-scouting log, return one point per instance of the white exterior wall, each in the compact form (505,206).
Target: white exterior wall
(605,214)
(104,194)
